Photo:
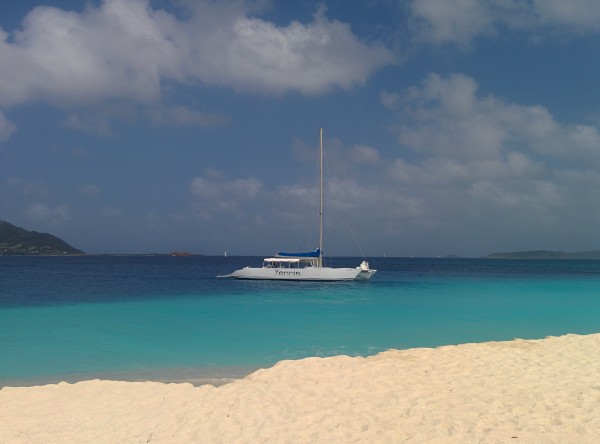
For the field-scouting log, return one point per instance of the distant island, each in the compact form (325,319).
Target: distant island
(546,254)
(18,241)
(181,254)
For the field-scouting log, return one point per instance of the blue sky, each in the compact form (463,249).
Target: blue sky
(451,126)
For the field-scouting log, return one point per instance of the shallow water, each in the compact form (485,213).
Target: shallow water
(170,318)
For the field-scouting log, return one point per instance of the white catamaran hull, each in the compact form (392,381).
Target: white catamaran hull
(303,274)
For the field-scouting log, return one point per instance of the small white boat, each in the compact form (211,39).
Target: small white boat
(305,266)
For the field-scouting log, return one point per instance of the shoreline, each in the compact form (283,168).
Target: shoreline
(542,390)
(197,376)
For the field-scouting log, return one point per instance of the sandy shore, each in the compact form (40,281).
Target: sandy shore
(537,391)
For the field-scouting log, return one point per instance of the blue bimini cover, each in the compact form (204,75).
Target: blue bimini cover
(316,253)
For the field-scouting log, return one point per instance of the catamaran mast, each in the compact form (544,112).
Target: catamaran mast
(321,197)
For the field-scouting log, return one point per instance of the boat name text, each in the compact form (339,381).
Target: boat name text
(287,273)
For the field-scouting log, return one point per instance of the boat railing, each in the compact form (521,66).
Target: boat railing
(290,262)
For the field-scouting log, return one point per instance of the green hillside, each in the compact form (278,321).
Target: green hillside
(18,241)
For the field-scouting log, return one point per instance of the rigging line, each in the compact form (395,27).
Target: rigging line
(353,232)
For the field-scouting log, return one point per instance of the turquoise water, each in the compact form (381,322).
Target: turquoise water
(170,318)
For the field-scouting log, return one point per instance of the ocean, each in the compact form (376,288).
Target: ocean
(170,319)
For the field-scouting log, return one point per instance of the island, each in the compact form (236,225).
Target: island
(18,241)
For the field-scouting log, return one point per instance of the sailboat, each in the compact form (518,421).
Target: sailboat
(306,266)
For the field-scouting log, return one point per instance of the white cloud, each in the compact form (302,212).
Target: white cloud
(89,190)
(461,21)
(364,155)
(582,15)
(477,163)
(57,215)
(289,210)
(402,171)
(250,54)
(125,50)
(38,189)
(216,195)
(178,116)
(110,212)
(213,190)
(454,121)
(92,124)
(342,159)
(7,128)
(115,51)
(453,118)
(389,99)
(457,21)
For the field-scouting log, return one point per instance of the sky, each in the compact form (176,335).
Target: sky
(450,126)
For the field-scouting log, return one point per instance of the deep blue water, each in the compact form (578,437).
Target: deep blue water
(169,318)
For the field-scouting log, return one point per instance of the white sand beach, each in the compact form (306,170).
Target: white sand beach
(521,391)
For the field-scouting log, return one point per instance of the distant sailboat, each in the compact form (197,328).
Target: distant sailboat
(225,253)
(305,266)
